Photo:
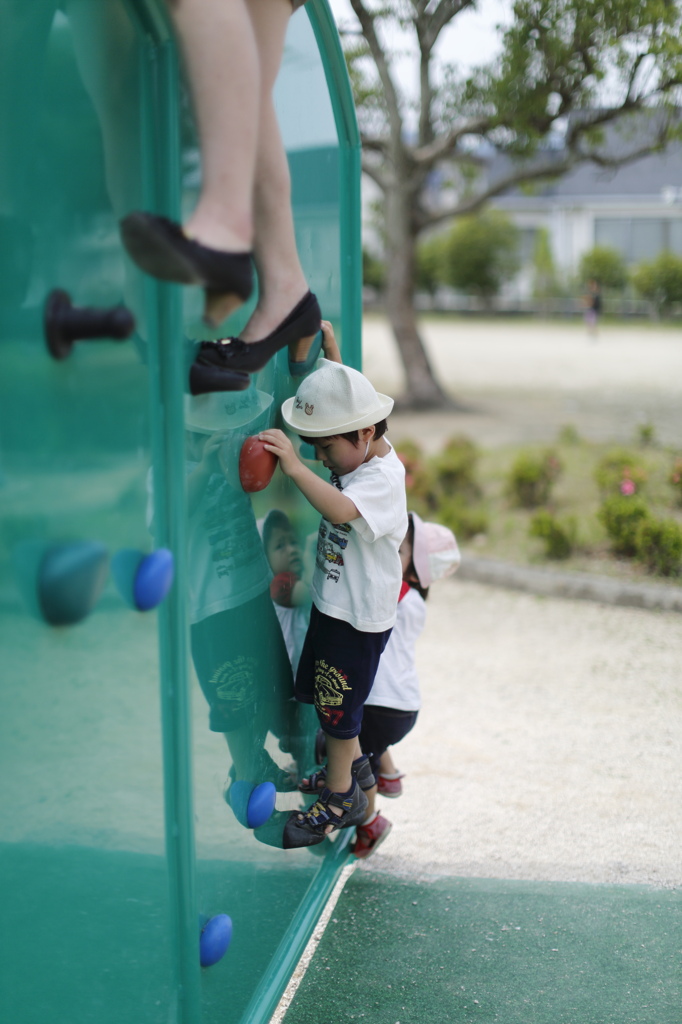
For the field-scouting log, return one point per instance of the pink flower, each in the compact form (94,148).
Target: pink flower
(627,487)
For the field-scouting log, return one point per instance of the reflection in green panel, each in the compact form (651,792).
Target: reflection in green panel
(247,729)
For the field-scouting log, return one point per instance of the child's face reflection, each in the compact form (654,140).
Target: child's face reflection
(284,552)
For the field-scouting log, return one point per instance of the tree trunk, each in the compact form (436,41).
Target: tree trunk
(423,390)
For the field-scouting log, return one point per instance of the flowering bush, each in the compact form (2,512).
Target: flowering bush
(621,517)
(531,478)
(675,479)
(558,535)
(455,467)
(659,546)
(619,472)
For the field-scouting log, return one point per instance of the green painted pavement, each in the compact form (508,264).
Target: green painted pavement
(453,950)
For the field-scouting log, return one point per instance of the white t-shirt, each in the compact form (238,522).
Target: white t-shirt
(396,684)
(294,625)
(226,563)
(358,573)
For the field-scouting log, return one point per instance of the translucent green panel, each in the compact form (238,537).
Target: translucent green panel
(247,730)
(126,820)
(82,851)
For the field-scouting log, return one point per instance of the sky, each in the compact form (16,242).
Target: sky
(472,39)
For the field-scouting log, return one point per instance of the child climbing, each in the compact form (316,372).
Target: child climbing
(357,576)
(429,552)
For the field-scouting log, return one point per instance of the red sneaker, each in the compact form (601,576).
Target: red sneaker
(368,837)
(390,787)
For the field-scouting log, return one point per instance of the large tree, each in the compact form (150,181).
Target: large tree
(568,71)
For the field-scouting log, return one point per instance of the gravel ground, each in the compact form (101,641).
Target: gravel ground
(550,740)
(549,743)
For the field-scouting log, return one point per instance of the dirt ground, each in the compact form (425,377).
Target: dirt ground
(522,381)
(549,743)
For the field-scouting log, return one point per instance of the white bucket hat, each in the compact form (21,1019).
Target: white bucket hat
(333,400)
(435,553)
(225,410)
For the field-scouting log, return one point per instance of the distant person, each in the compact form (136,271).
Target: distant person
(593,306)
(357,576)
(429,552)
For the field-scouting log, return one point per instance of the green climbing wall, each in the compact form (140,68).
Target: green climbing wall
(125,824)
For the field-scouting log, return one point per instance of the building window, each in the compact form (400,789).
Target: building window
(639,238)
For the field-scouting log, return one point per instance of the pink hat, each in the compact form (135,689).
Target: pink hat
(434,552)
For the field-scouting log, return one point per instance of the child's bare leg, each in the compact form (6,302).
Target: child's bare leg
(222,61)
(282,283)
(387,764)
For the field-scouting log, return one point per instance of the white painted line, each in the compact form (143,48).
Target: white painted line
(313,942)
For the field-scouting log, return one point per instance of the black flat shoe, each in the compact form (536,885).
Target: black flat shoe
(205,379)
(160,247)
(235,354)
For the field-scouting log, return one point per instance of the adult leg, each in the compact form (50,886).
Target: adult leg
(281,280)
(222,61)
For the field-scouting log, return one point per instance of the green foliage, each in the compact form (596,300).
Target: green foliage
(568,434)
(531,477)
(660,280)
(455,468)
(646,435)
(481,253)
(545,283)
(558,535)
(463,519)
(444,487)
(430,264)
(621,517)
(675,479)
(659,546)
(620,472)
(605,266)
(373,271)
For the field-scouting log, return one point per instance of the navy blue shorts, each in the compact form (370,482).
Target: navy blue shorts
(336,672)
(381,729)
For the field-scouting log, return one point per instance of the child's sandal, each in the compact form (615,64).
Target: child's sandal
(360,770)
(307,828)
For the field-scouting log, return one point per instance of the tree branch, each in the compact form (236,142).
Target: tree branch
(367,23)
(430,154)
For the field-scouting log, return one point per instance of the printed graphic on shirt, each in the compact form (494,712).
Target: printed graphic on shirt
(330,686)
(330,544)
(230,530)
(234,683)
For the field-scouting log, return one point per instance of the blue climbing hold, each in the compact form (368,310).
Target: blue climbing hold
(71,578)
(142,580)
(261,804)
(237,796)
(153,579)
(124,565)
(215,939)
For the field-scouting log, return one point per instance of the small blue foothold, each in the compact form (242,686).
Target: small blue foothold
(124,565)
(261,804)
(238,796)
(71,578)
(215,939)
(153,579)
